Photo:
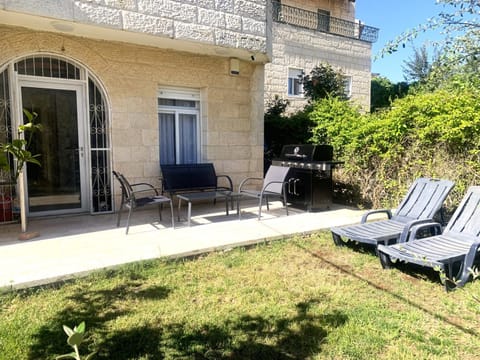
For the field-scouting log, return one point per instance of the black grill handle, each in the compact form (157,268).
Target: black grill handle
(295,187)
(290,186)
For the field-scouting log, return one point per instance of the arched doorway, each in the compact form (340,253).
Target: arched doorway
(74,143)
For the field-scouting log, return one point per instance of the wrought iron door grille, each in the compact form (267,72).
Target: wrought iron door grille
(100,151)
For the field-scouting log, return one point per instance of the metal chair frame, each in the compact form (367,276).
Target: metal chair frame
(274,184)
(133,199)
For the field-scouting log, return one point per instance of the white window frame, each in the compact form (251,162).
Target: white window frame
(181,94)
(348,86)
(293,75)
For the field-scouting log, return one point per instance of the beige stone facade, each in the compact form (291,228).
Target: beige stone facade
(295,47)
(232,136)
(133,48)
(237,26)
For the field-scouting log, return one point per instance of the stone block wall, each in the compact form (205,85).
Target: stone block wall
(298,48)
(231,106)
(239,24)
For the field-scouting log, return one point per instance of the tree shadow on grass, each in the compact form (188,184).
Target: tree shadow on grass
(240,336)
(143,342)
(95,307)
(395,294)
(245,337)
(248,337)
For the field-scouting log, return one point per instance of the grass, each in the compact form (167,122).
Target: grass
(301,298)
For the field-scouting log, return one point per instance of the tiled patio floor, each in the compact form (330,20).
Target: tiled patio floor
(75,245)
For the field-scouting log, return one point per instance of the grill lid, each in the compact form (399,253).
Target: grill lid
(307,152)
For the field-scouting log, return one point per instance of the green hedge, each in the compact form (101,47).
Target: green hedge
(428,134)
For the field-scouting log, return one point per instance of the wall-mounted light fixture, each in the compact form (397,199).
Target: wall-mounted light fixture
(234,66)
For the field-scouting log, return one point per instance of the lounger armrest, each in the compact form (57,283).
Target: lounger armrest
(435,226)
(246,180)
(412,228)
(473,252)
(228,179)
(371,212)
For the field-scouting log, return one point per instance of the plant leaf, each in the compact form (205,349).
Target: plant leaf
(80,328)
(30,116)
(34,161)
(75,339)
(67,330)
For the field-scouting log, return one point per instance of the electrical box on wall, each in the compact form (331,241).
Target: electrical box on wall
(234,67)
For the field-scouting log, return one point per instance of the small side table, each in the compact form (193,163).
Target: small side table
(201,195)
(229,196)
(234,196)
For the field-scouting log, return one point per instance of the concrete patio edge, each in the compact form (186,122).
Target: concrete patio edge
(73,247)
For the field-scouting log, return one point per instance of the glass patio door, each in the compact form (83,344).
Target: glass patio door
(59,185)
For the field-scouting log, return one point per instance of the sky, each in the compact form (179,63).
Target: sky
(393,17)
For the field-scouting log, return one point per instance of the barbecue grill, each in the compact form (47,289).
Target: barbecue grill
(309,179)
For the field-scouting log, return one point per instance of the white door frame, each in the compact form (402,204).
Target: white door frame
(80,89)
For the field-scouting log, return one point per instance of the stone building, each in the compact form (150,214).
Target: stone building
(130,84)
(126,84)
(308,33)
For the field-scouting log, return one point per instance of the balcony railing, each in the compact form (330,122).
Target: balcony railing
(321,21)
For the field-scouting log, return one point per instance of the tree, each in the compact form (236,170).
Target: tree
(417,68)
(457,17)
(324,81)
(383,92)
(17,149)
(458,21)
(276,108)
(281,129)
(459,62)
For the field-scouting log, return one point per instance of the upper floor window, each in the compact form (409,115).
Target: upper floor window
(295,87)
(179,126)
(323,23)
(348,86)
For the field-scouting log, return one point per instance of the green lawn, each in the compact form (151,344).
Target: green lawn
(301,298)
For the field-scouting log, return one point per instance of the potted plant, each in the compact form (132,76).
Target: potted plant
(17,149)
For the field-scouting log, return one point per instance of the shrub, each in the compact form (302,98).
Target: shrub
(427,134)
(334,122)
(324,81)
(281,130)
(383,92)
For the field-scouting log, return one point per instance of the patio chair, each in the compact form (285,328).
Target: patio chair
(453,253)
(274,185)
(422,201)
(146,195)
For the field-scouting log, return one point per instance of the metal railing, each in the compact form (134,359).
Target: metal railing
(321,21)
